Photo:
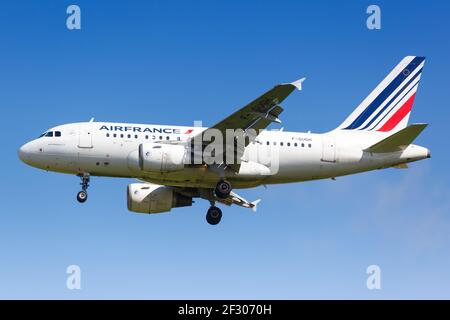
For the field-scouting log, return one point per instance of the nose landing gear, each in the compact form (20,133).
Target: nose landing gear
(82,195)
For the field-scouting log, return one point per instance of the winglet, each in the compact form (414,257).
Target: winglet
(254,204)
(298,83)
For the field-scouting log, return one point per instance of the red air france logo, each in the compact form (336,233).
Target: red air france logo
(189,131)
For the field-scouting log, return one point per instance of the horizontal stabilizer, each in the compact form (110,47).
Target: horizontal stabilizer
(398,141)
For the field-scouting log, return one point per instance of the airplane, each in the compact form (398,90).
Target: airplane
(376,135)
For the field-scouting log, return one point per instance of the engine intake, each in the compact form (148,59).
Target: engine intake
(153,198)
(161,157)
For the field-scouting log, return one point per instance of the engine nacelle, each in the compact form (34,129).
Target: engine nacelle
(161,157)
(153,198)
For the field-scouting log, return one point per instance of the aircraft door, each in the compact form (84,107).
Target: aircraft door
(85,135)
(328,149)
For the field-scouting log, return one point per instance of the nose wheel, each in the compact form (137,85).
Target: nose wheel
(214,215)
(82,195)
(223,189)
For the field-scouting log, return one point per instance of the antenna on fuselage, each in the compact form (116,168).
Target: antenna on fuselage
(92,119)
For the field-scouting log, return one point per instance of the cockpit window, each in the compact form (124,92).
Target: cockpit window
(51,134)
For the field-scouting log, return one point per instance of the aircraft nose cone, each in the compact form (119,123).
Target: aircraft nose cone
(24,153)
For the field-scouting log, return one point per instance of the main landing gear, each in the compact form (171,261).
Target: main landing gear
(82,195)
(223,189)
(214,215)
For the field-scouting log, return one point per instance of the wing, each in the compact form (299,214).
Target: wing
(207,194)
(256,115)
(234,198)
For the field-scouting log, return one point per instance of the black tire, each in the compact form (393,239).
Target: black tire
(214,215)
(223,189)
(82,196)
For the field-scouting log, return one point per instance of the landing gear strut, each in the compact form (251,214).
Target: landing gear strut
(214,215)
(223,189)
(82,195)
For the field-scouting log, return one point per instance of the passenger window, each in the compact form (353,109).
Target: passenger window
(121,135)
(160,137)
(274,143)
(309,145)
(146,137)
(107,135)
(135,136)
(115,135)
(288,144)
(167,138)
(295,144)
(268,143)
(129,136)
(303,145)
(178,138)
(281,143)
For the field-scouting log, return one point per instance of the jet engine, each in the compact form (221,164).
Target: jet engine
(161,157)
(153,198)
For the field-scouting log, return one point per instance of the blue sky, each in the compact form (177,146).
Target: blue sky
(167,62)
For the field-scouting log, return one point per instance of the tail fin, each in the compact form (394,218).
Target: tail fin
(388,106)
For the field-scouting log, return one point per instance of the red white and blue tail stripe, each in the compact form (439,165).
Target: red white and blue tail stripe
(387,108)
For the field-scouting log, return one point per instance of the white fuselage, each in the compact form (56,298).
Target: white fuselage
(110,149)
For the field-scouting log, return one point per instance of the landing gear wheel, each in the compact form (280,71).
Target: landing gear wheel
(214,215)
(82,196)
(223,189)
